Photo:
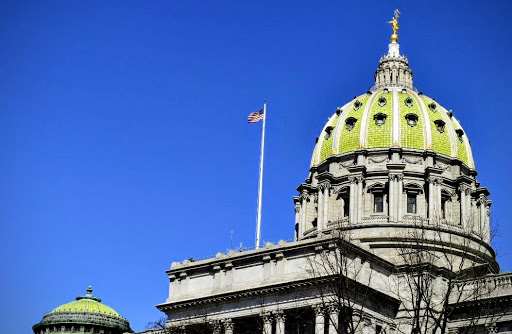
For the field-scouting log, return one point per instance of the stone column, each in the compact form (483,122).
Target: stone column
(482,201)
(320,211)
(303,211)
(228,326)
(319,319)
(359,199)
(267,323)
(391,199)
(326,205)
(430,200)
(298,222)
(333,320)
(434,199)
(352,201)
(280,322)
(400,197)
(463,207)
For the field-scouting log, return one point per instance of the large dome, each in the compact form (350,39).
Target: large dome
(85,311)
(393,167)
(393,117)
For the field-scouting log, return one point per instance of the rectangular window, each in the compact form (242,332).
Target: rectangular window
(378,203)
(411,203)
(443,208)
(346,206)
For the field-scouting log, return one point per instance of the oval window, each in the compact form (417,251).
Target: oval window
(460,133)
(357,104)
(433,107)
(382,101)
(350,123)
(439,125)
(408,101)
(412,119)
(380,119)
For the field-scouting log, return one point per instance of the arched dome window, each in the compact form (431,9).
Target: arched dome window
(382,101)
(350,123)
(357,104)
(439,125)
(412,119)
(408,102)
(432,106)
(380,119)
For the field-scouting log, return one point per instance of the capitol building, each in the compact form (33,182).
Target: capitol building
(392,235)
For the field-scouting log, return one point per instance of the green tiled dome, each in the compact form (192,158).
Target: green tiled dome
(85,310)
(86,305)
(393,117)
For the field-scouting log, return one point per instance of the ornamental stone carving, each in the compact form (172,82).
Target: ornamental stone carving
(377,159)
(346,164)
(413,161)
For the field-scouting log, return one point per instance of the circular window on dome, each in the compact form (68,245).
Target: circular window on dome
(382,101)
(380,119)
(433,106)
(350,123)
(412,119)
(357,104)
(440,125)
(408,101)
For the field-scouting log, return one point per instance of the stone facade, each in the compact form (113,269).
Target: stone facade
(390,237)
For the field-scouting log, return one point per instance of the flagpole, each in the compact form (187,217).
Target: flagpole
(260,184)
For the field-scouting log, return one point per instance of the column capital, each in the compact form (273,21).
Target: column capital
(333,308)
(228,324)
(434,180)
(319,309)
(280,315)
(267,317)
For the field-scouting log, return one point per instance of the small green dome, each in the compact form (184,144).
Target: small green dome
(85,310)
(87,304)
(393,117)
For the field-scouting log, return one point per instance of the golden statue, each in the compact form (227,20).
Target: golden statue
(394,26)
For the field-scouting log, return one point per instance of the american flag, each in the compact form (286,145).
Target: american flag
(256,116)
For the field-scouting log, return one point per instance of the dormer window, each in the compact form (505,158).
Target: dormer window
(404,91)
(380,119)
(328,131)
(339,111)
(432,106)
(357,104)
(412,119)
(408,102)
(382,101)
(440,125)
(460,133)
(386,90)
(350,123)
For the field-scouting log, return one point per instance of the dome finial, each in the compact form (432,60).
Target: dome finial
(394,26)
(89,291)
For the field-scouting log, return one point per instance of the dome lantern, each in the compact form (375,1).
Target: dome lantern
(393,70)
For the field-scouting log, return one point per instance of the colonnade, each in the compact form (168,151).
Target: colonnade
(314,204)
(326,319)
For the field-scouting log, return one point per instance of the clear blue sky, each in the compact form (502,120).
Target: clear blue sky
(124,136)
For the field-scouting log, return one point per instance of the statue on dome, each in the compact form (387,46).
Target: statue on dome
(394,26)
